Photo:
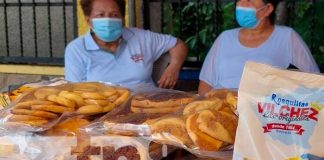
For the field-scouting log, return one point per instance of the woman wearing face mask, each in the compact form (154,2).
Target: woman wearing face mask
(109,52)
(258,39)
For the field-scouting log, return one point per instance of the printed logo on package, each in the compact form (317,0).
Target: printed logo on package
(289,117)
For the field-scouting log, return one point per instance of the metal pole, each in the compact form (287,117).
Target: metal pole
(64,23)
(75,19)
(35,28)
(6,26)
(20,30)
(49,27)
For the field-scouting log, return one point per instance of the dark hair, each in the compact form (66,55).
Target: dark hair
(86,6)
(274,3)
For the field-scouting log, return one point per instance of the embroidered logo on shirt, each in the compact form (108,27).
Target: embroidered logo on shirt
(137,57)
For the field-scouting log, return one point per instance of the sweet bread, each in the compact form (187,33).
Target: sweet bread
(68,127)
(87,86)
(170,129)
(162,99)
(33,123)
(219,125)
(124,94)
(218,130)
(110,92)
(73,97)
(93,95)
(99,102)
(28,104)
(90,109)
(109,107)
(197,106)
(37,113)
(200,139)
(113,98)
(42,93)
(15,117)
(218,93)
(136,109)
(52,108)
(61,100)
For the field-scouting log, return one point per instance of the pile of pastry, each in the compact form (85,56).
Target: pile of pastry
(208,124)
(46,104)
(182,119)
(160,101)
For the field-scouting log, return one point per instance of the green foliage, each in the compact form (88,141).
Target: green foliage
(197,24)
(183,21)
(303,25)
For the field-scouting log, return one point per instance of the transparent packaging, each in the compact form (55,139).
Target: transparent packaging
(41,108)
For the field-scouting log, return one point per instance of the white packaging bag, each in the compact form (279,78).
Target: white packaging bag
(281,114)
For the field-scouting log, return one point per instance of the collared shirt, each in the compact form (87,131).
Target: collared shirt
(223,66)
(130,66)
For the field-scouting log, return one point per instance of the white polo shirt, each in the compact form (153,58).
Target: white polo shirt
(223,66)
(131,65)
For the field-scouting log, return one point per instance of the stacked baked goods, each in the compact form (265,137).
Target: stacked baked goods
(170,130)
(229,97)
(127,124)
(160,101)
(208,124)
(212,130)
(145,106)
(19,91)
(167,117)
(46,104)
(181,119)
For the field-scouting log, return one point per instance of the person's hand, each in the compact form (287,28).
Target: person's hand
(169,77)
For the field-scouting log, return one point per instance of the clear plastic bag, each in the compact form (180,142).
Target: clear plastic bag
(150,103)
(11,93)
(29,146)
(41,108)
(179,128)
(15,91)
(206,133)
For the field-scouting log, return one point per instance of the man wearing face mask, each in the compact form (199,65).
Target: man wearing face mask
(110,52)
(258,39)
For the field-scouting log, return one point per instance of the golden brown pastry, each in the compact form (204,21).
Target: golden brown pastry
(29,103)
(219,125)
(37,113)
(172,129)
(198,106)
(199,138)
(43,92)
(69,126)
(90,109)
(52,108)
(162,99)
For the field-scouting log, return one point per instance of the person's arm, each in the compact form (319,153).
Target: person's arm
(170,76)
(204,88)
(301,55)
(208,74)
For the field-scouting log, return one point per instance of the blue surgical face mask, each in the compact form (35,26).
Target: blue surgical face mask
(107,29)
(246,17)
